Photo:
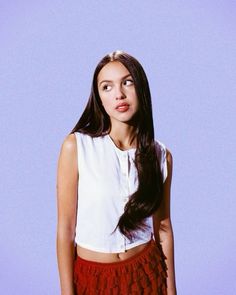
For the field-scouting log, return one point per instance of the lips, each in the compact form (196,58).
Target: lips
(122,105)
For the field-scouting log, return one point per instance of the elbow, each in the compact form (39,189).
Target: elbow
(65,233)
(166,231)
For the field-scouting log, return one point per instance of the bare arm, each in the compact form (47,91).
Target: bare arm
(67,179)
(163,228)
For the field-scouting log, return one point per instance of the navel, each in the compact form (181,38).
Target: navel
(118,254)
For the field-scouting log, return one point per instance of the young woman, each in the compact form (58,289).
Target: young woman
(114,232)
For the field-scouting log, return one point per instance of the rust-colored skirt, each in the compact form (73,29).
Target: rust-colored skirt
(144,273)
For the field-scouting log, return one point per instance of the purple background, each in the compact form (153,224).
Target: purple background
(48,53)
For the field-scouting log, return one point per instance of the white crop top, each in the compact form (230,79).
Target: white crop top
(107,176)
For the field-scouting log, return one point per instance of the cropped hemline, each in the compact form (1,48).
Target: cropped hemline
(118,250)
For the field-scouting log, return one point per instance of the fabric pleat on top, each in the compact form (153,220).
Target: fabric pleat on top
(144,273)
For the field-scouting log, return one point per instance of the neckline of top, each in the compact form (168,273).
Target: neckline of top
(117,148)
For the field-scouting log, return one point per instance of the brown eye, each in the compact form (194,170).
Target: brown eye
(128,82)
(106,87)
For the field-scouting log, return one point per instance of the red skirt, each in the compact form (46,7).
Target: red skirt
(144,273)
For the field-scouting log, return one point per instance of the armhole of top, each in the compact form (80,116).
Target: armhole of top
(164,163)
(163,160)
(77,148)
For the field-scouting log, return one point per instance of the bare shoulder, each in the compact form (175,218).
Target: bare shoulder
(69,147)
(169,158)
(67,181)
(69,143)
(67,162)
(67,170)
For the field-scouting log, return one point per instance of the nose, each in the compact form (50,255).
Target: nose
(119,93)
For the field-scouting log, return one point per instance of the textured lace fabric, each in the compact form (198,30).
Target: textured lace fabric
(144,273)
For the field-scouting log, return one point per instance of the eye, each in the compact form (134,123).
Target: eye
(106,87)
(128,82)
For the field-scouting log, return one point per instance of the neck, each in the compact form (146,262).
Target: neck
(123,135)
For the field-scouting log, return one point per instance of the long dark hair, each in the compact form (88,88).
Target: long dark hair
(95,122)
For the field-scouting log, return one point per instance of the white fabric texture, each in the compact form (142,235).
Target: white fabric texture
(107,177)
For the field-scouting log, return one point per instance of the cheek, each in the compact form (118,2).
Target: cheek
(106,99)
(135,98)
(106,102)
(133,94)
(103,99)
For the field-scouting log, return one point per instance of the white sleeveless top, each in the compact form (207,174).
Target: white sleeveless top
(107,177)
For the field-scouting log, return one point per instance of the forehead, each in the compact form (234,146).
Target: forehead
(112,71)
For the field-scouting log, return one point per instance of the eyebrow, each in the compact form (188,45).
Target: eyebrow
(111,81)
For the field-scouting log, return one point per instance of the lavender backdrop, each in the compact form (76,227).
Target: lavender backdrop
(48,52)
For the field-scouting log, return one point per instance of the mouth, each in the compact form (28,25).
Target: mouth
(122,107)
